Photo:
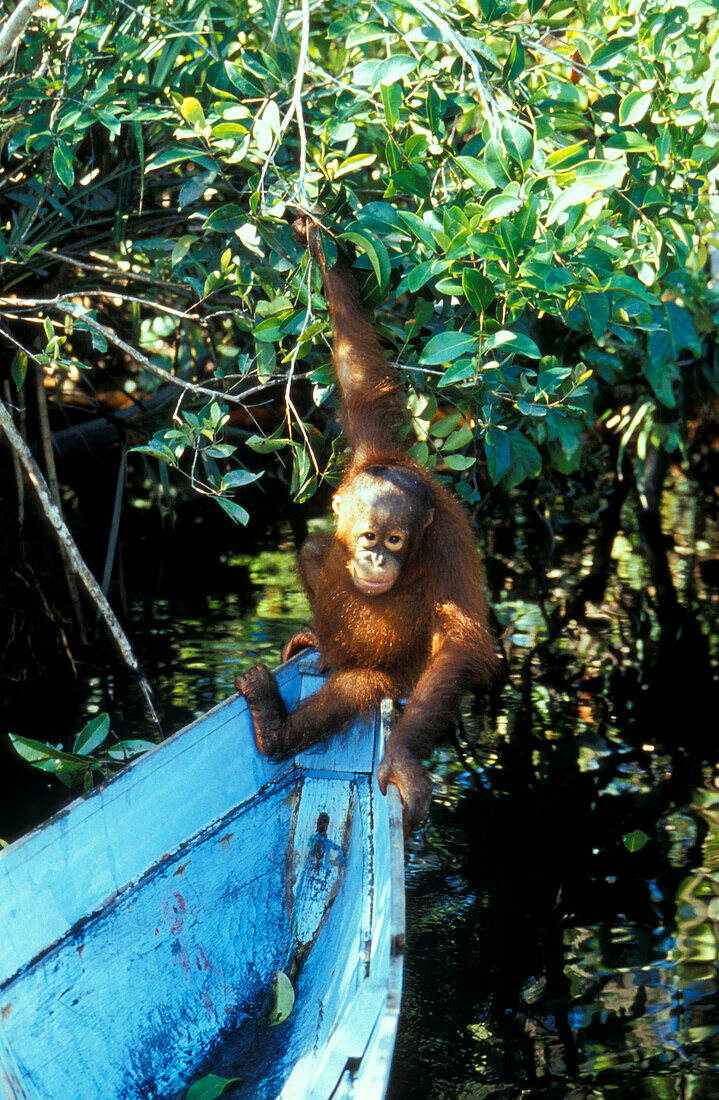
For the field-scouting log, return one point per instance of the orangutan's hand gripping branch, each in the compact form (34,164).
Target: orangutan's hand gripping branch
(396,592)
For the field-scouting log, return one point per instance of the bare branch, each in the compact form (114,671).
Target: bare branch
(14,26)
(20,448)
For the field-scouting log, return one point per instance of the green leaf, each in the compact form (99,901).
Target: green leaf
(515,342)
(417,226)
(267,445)
(375,252)
(477,172)
(496,163)
(182,247)
(459,462)
(19,369)
(92,735)
(447,346)
(567,156)
(361,160)
(519,143)
(45,757)
(444,427)
(237,478)
(597,309)
(460,371)
(226,219)
(526,460)
(478,290)
(62,164)
(283,998)
(210,1087)
(601,173)
(192,112)
(394,68)
(496,446)
(498,206)
(633,108)
(422,273)
(514,64)
(457,440)
(391,101)
(635,841)
(235,511)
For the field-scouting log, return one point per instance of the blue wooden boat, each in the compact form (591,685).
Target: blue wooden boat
(144,929)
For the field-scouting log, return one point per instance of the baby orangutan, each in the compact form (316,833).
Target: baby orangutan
(396,592)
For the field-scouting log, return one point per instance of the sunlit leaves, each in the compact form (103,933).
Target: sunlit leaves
(633,107)
(504,179)
(387,71)
(447,346)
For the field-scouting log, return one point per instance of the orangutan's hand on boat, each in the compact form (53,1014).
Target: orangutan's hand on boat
(411,780)
(303,639)
(267,708)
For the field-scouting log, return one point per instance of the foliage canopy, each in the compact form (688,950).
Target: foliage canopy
(529,188)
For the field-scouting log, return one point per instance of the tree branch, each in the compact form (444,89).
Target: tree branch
(15,25)
(20,448)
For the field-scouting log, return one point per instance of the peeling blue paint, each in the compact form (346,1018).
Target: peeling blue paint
(142,926)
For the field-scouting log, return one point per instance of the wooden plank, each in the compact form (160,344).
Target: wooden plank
(356,744)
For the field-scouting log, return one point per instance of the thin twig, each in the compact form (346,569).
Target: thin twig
(51,474)
(115,525)
(289,403)
(295,111)
(17,470)
(467,56)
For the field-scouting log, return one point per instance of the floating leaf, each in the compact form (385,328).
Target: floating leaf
(283,998)
(209,1087)
(635,840)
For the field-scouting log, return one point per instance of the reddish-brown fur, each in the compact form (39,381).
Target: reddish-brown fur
(427,637)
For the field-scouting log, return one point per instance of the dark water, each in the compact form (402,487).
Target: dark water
(544,956)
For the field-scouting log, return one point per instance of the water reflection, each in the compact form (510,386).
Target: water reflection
(545,959)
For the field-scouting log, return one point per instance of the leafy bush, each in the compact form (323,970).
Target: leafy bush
(528,188)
